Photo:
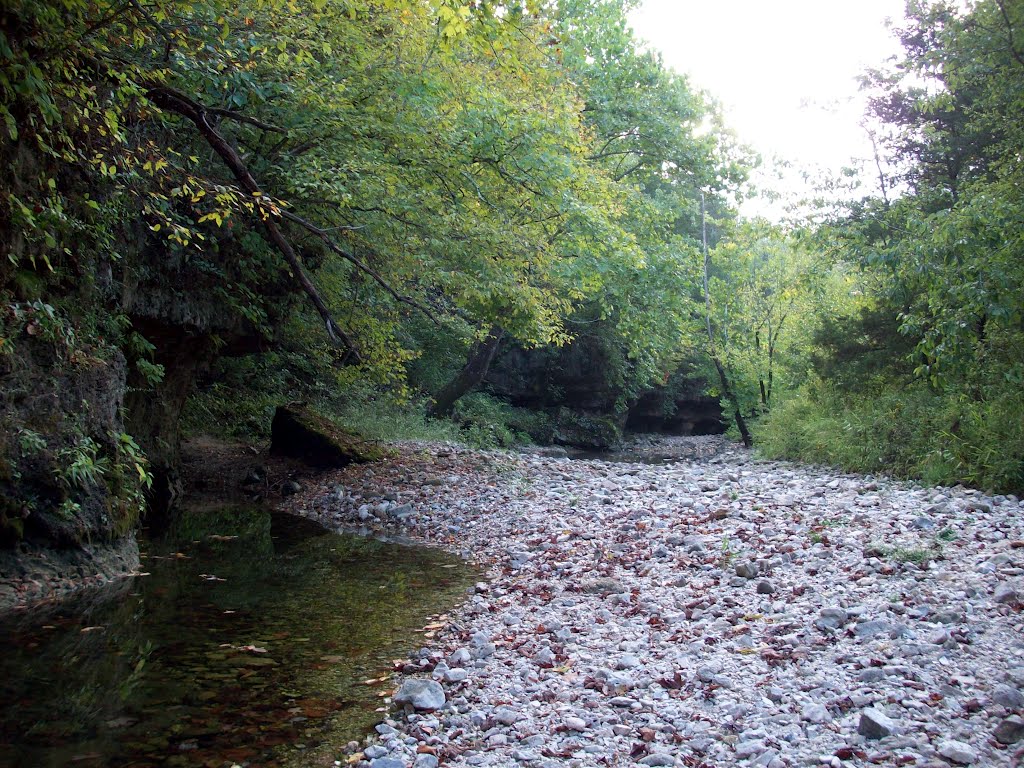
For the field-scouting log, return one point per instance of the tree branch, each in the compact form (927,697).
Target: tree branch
(179,103)
(239,117)
(1009,32)
(325,236)
(148,18)
(230,114)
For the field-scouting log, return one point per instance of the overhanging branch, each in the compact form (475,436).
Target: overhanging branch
(177,102)
(362,266)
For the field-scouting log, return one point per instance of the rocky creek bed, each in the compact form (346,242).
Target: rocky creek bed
(717,610)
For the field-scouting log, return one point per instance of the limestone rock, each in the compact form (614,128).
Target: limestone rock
(425,695)
(875,724)
(958,752)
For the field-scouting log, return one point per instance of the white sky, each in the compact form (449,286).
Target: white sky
(784,70)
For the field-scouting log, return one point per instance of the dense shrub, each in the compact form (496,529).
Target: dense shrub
(911,431)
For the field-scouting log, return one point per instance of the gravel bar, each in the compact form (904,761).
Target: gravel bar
(706,609)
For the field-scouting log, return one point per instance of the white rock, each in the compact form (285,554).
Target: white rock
(875,724)
(958,752)
(575,724)
(421,694)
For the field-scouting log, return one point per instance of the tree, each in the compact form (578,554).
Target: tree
(940,319)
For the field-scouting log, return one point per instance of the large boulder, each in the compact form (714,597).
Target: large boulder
(301,434)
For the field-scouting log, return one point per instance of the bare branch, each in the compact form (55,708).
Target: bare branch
(240,117)
(230,114)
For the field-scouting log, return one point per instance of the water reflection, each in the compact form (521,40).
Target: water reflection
(251,634)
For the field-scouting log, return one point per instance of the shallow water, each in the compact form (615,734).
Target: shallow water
(247,643)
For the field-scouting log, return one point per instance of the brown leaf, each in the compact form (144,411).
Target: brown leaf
(674,683)
(639,750)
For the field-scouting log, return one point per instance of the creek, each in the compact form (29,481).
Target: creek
(248,640)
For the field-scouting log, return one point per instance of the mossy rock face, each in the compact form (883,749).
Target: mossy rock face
(57,407)
(301,434)
(585,430)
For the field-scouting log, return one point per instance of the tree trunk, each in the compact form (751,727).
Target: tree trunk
(480,358)
(760,379)
(741,423)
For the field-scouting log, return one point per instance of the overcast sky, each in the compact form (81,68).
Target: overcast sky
(785,70)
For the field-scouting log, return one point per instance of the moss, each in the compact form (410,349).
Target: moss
(586,430)
(303,434)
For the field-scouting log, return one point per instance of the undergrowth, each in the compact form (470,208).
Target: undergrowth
(238,402)
(912,432)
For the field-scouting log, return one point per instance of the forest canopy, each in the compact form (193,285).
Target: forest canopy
(331,201)
(477,163)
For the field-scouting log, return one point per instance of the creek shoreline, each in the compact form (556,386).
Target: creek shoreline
(718,610)
(711,610)
(214,474)
(34,578)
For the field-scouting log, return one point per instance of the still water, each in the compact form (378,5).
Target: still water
(248,643)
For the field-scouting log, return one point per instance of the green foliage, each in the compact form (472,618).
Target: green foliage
(240,404)
(492,167)
(920,556)
(910,431)
(83,467)
(143,350)
(240,399)
(919,370)
(487,422)
(187,169)
(30,442)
